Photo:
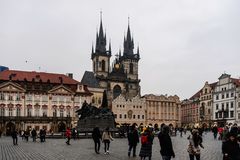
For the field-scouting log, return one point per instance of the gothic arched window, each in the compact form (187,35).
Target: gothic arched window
(116,91)
(103,65)
(131,68)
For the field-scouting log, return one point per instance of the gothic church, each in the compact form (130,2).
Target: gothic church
(119,78)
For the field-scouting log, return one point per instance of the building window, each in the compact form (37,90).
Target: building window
(231,114)
(232,94)
(2,112)
(227,95)
(138,116)
(217,97)
(216,106)
(44,111)
(120,116)
(115,115)
(10,97)
(44,98)
(142,116)
(68,113)
(222,106)
(231,104)
(238,104)
(205,90)
(10,111)
(131,68)
(238,115)
(134,116)
(18,112)
(29,112)
(61,113)
(55,113)
(222,96)
(125,116)
(216,115)
(29,98)
(37,112)
(2,96)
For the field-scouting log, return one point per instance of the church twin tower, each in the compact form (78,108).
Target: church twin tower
(122,76)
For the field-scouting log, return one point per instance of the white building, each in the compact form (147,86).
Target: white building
(225,100)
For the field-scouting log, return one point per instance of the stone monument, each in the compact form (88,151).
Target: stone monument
(91,116)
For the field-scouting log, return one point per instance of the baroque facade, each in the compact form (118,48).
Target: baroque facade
(163,109)
(119,78)
(39,100)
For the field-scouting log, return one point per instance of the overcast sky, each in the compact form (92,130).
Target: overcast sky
(183,43)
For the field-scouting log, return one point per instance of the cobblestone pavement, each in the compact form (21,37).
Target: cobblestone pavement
(83,149)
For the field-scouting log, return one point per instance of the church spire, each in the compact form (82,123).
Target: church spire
(101,38)
(128,42)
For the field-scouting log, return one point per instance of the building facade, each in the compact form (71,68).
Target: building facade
(119,78)
(206,104)
(39,100)
(129,111)
(163,109)
(225,100)
(190,116)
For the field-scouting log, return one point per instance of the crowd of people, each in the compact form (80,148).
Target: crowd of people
(229,135)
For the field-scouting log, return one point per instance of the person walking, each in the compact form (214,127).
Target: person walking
(215,131)
(68,135)
(146,147)
(166,144)
(26,134)
(41,133)
(34,135)
(15,137)
(230,148)
(106,137)
(96,135)
(195,142)
(133,140)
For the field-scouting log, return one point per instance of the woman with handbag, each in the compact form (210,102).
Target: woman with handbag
(195,142)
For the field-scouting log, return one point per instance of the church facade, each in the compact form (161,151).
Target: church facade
(119,77)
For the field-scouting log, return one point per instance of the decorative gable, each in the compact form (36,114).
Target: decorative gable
(11,87)
(61,90)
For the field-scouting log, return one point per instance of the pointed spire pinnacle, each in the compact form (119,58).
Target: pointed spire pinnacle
(110,48)
(138,49)
(101,38)
(128,42)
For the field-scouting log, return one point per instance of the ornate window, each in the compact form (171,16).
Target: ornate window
(10,111)
(61,113)
(103,65)
(18,112)
(29,112)
(54,112)
(37,112)
(116,91)
(131,68)
(44,112)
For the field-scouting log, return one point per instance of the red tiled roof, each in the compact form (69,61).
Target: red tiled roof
(196,95)
(29,76)
(236,81)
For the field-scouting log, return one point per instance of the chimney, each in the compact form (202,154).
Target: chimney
(70,75)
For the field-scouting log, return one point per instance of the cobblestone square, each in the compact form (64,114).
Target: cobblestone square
(83,149)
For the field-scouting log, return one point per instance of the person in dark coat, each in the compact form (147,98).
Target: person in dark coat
(96,135)
(26,134)
(166,144)
(133,140)
(215,132)
(146,147)
(230,148)
(34,135)
(41,133)
(15,137)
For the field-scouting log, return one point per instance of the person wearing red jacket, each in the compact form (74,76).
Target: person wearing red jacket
(68,135)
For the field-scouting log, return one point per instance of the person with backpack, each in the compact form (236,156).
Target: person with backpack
(133,140)
(146,147)
(166,144)
(106,137)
